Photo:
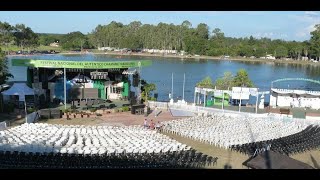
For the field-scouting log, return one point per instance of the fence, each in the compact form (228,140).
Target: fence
(159,105)
(207,110)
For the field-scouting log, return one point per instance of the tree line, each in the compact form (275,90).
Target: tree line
(227,81)
(184,37)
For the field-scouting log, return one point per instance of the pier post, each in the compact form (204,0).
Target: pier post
(204,99)
(65,88)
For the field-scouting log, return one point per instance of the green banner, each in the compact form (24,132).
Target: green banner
(80,64)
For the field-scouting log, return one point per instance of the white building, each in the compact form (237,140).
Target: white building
(295,98)
(269,56)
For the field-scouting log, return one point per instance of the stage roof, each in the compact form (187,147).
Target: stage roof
(80,64)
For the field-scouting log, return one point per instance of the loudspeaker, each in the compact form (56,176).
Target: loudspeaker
(136,80)
(45,85)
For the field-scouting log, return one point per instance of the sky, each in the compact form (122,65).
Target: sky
(286,25)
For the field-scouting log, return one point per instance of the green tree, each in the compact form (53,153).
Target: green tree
(206,83)
(194,40)
(146,91)
(75,41)
(4,73)
(203,31)
(47,39)
(242,79)
(6,34)
(281,51)
(25,37)
(225,82)
(217,34)
(315,42)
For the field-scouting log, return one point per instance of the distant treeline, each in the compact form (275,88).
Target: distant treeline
(198,40)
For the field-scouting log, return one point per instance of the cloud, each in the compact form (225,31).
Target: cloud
(306,24)
(307,17)
(305,32)
(272,35)
(311,13)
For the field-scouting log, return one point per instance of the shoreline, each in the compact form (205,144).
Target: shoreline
(196,58)
(199,57)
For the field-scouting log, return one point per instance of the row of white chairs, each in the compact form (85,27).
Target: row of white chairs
(225,130)
(42,137)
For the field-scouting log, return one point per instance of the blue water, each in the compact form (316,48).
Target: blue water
(195,70)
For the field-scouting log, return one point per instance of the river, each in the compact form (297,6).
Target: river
(261,73)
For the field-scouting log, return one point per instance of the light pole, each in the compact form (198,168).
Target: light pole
(257,99)
(25,108)
(184,81)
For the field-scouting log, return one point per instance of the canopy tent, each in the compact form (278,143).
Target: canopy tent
(20,89)
(274,160)
(293,91)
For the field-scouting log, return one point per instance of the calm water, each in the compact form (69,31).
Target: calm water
(161,69)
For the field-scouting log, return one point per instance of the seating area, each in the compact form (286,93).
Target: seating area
(42,145)
(306,140)
(179,159)
(225,130)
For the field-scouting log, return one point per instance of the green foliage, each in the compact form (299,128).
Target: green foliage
(25,37)
(281,52)
(242,79)
(47,39)
(136,35)
(224,82)
(6,33)
(30,110)
(146,90)
(66,110)
(315,42)
(4,73)
(125,108)
(93,109)
(206,83)
(75,41)
(153,99)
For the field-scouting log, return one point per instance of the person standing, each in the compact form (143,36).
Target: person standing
(152,125)
(158,126)
(145,123)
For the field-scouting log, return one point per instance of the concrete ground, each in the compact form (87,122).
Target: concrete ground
(115,119)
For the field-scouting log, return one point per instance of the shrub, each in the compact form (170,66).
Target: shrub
(30,110)
(65,110)
(73,111)
(125,108)
(93,109)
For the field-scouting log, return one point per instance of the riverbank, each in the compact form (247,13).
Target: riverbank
(267,61)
